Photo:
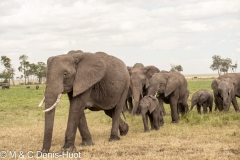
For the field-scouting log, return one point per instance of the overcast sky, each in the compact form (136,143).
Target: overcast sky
(153,32)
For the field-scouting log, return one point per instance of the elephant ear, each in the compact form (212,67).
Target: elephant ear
(147,84)
(129,70)
(172,84)
(153,103)
(138,65)
(91,68)
(149,71)
(201,98)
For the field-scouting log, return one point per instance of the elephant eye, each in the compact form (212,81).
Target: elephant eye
(65,74)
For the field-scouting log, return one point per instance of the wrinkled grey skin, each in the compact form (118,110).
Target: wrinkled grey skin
(202,98)
(5,86)
(139,81)
(172,89)
(150,108)
(226,88)
(94,81)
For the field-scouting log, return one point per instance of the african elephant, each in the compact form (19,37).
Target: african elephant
(172,89)
(150,108)
(94,81)
(139,81)
(225,89)
(202,98)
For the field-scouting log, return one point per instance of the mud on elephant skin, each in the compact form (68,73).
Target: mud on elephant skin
(94,81)
(226,88)
(150,108)
(172,89)
(202,98)
(139,81)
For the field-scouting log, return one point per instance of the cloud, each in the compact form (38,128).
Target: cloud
(208,9)
(194,26)
(237,50)
(44,28)
(191,48)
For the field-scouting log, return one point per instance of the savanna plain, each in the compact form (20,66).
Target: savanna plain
(200,137)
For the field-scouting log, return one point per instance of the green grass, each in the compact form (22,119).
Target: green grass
(211,136)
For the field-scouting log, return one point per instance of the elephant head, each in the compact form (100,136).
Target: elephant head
(73,73)
(163,83)
(148,103)
(198,97)
(139,81)
(224,91)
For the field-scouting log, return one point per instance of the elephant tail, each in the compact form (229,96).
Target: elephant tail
(124,116)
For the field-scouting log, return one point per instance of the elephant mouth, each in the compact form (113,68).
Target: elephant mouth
(67,89)
(220,97)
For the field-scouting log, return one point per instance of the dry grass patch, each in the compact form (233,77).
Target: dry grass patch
(200,137)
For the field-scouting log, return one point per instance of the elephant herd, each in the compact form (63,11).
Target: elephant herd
(171,88)
(98,81)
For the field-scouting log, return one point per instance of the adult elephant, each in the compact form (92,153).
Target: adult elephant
(226,88)
(171,87)
(94,81)
(139,81)
(202,98)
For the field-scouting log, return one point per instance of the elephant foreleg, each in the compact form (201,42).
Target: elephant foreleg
(151,120)
(84,132)
(235,104)
(156,121)
(75,113)
(161,120)
(145,122)
(174,109)
(199,109)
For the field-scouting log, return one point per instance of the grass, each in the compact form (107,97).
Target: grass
(212,136)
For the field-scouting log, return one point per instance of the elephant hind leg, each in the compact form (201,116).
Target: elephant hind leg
(123,126)
(204,108)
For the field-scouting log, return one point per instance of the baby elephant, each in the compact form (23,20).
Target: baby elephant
(202,98)
(150,108)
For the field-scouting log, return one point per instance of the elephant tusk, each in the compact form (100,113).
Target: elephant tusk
(156,94)
(55,104)
(41,103)
(220,99)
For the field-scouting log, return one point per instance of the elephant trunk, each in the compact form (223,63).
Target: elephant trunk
(152,90)
(193,103)
(226,104)
(51,96)
(136,97)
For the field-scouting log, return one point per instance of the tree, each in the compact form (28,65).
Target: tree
(216,63)
(40,71)
(222,65)
(4,75)
(234,67)
(225,65)
(177,68)
(24,65)
(9,71)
